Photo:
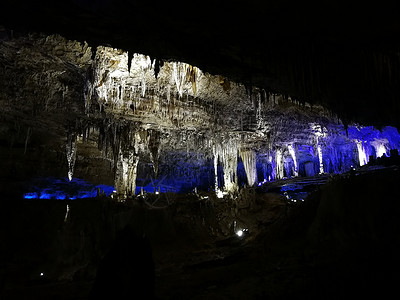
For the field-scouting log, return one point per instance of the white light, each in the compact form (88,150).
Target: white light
(239,233)
(41,274)
(157,192)
(321,164)
(362,157)
(220,194)
(66,216)
(381,149)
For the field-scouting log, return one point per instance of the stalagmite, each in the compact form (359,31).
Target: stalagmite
(169,116)
(217,190)
(381,150)
(249,162)
(125,177)
(321,164)
(71,153)
(362,157)
(380,147)
(279,164)
(319,132)
(66,214)
(293,154)
(177,101)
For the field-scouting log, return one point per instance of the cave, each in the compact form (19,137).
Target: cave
(224,150)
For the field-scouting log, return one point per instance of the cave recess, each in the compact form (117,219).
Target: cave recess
(126,119)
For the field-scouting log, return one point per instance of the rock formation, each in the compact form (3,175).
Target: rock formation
(144,112)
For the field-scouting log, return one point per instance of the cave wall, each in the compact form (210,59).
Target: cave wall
(132,121)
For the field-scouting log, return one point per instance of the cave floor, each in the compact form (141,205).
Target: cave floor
(198,255)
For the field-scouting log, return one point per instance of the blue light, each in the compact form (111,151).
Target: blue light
(30,196)
(62,188)
(291,187)
(151,188)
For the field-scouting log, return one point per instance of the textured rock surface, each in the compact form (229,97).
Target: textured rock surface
(128,111)
(332,53)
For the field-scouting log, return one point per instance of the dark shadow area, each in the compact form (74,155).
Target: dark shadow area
(127,270)
(341,241)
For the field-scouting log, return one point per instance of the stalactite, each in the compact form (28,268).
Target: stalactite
(179,76)
(145,65)
(192,74)
(249,161)
(227,150)
(184,73)
(138,95)
(154,148)
(130,57)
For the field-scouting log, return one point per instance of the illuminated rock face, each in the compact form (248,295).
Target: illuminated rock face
(170,125)
(226,123)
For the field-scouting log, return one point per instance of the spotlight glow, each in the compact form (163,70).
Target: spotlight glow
(361,154)
(239,233)
(321,164)
(220,194)
(381,149)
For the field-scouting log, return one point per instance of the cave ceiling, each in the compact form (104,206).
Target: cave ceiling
(342,55)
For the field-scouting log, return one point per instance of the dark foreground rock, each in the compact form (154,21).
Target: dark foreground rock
(341,241)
